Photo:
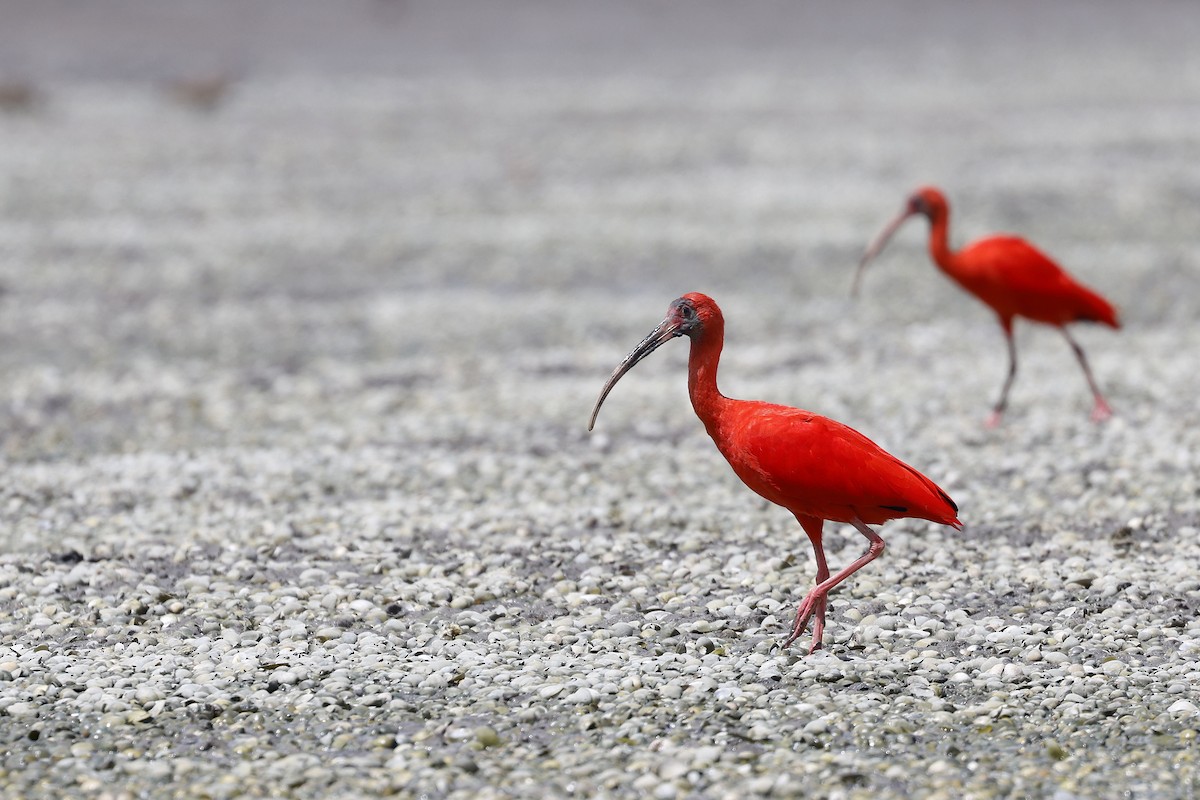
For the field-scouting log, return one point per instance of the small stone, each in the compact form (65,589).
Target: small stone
(1179,708)
(705,756)
(1113,667)
(22,709)
(147,695)
(467,764)
(623,629)
(487,736)
(581,696)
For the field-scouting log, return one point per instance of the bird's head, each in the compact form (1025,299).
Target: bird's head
(690,313)
(925,201)
(686,316)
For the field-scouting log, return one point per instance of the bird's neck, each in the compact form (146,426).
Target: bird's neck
(707,400)
(939,242)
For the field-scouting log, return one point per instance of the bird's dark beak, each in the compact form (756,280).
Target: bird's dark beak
(878,243)
(667,330)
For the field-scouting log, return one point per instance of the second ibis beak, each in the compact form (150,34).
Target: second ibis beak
(667,330)
(877,244)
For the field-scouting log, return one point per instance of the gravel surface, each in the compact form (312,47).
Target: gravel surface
(296,493)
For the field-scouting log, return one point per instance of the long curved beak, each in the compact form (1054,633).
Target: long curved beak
(667,330)
(877,244)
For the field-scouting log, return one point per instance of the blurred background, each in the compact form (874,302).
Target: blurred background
(223,223)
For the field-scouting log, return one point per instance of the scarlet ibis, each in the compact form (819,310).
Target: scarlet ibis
(816,468)
(1011,276)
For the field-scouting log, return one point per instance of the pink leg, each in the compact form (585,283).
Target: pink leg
(813,527)
(1101,409)
(815,601)
(819,623)
(997,414)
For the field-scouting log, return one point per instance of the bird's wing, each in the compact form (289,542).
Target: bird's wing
(1012,262)
(1013,276)
(813,465)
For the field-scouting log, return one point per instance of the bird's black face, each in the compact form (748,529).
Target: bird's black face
(684,317)
(917,204)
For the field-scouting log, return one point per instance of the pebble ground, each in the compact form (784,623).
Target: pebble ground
(296,493)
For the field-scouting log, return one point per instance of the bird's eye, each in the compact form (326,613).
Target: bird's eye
(687,311)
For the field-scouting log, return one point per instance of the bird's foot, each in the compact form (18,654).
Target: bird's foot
(994,419)
(819,626)
(1101,411)
(812,604)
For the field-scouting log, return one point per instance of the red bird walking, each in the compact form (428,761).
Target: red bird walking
(1014,278)
(814,467)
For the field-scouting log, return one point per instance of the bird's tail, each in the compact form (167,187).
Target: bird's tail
(940,508)
(1094,308)
(947,518)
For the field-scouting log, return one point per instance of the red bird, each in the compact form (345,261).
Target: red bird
(1014,278)
(814,467)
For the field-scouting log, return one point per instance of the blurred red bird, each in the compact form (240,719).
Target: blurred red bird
(1012,277)
(814,467)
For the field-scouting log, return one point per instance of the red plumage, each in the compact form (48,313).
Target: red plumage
(816,468)
(1017,280)
(1013,278)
